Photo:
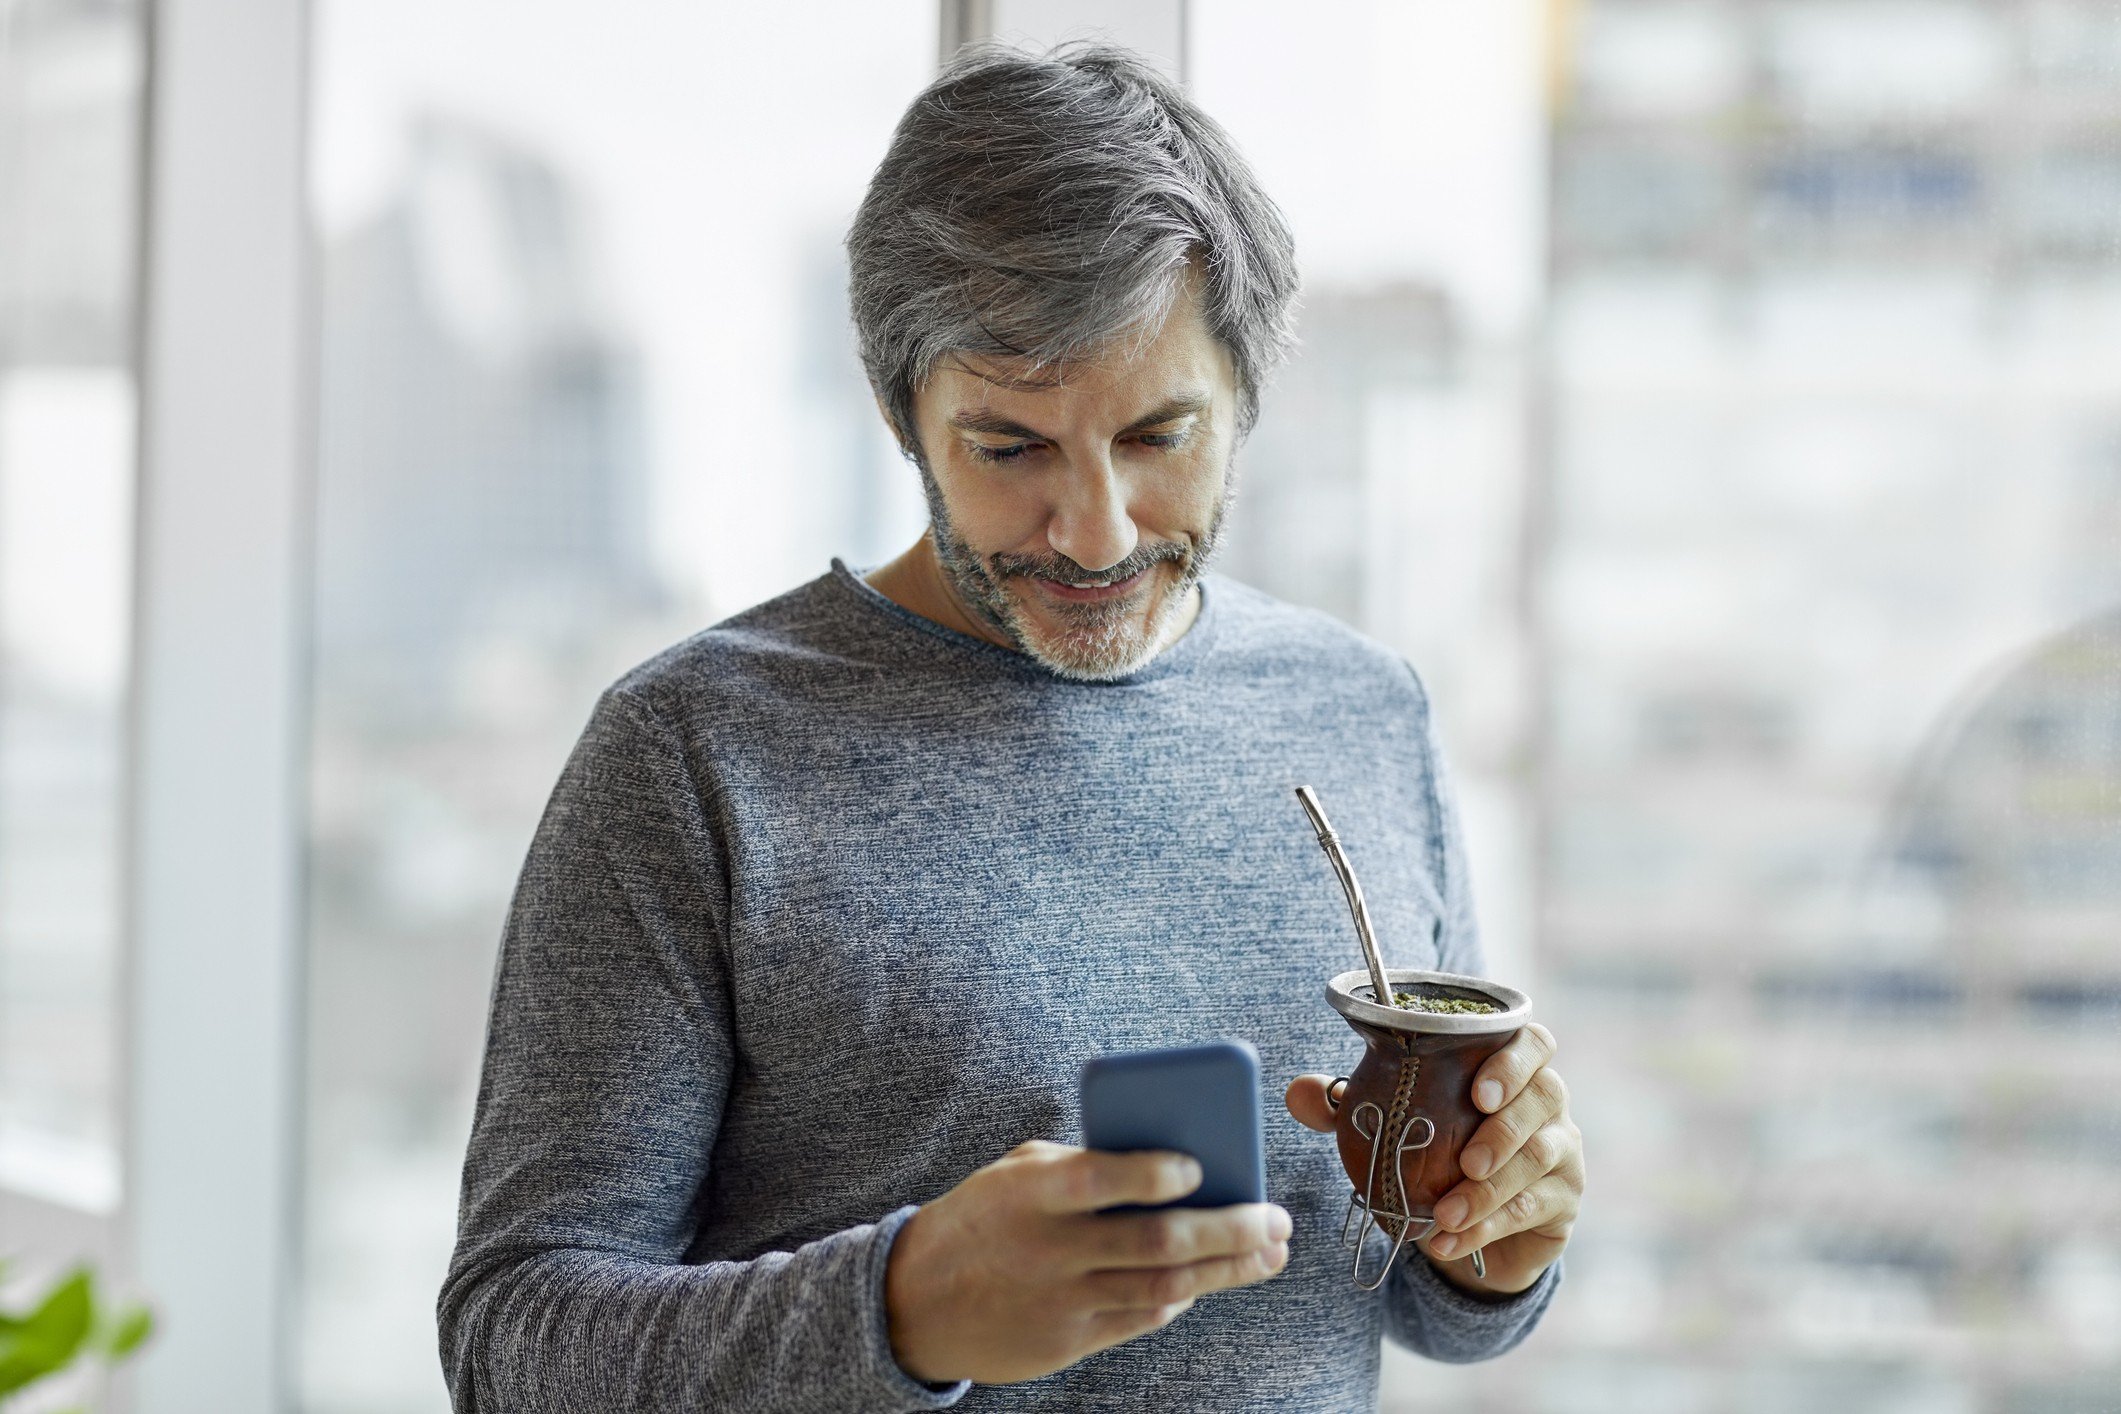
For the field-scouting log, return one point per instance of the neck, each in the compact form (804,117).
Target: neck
(915,581)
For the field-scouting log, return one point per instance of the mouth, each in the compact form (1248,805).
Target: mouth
(1093,594)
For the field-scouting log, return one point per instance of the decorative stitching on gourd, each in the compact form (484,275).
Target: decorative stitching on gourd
(1395,1118)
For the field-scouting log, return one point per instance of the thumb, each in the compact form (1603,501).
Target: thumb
(1311,1098)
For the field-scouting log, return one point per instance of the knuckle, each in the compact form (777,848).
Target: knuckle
(1549,1146)
(1052,1243)
(1523,1207)
(1484,1198)
(1547,1037)
(1503,1135)
(1159,1240)
(1169,1286)
(1078,1184)
(1551,1087)
(1516,1128)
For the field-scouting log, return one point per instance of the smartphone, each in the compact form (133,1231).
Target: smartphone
(1198,1100)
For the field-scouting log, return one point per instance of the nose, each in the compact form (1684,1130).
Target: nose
(1090,524)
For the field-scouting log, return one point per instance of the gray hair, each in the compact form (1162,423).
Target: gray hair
(1040,206)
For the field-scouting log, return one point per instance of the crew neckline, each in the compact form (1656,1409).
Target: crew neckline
(1179,657)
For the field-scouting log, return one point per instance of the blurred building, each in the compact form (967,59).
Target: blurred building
(70,88)
(483,571)
(1310,476)
(482,478)
(1832,284)
(861,481)
(69,96)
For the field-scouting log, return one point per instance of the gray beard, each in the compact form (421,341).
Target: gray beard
(1099,642)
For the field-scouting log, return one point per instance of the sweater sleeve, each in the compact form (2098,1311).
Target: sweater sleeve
(1431,1317)
(1425,1313)
(609,1057)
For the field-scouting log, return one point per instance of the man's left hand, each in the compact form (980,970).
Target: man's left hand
(1523,1168)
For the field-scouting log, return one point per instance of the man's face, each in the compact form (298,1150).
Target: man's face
(1075,520)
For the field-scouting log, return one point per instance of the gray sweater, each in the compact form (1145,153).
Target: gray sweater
(827,910)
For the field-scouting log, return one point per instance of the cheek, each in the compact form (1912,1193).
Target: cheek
(1184,496)
(1167,497)
(992,513)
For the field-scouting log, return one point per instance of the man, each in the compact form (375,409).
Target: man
(833,900)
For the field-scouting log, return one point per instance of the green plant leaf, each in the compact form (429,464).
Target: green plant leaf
(127,1328)
(49,1338)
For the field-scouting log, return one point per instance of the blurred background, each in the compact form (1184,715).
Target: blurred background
(1719,401)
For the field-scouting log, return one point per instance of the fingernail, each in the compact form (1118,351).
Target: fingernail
(1451,1212)
(1488,1094)
(1279,1224)
(1187,1172)
(1475,1162)
(1444,1246)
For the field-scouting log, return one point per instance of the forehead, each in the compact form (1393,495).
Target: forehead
(1182,355)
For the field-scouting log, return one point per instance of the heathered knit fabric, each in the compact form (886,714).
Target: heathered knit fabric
(827,910)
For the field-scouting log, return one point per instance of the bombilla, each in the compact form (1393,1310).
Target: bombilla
(1330,843)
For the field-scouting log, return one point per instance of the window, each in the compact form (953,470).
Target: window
(1760,549)
(70,92)
(571,259)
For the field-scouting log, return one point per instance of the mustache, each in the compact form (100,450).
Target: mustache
(1063,570)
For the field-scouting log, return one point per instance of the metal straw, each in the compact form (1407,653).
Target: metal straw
(1330,843)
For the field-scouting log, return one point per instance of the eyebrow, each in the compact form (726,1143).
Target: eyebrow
(995,425)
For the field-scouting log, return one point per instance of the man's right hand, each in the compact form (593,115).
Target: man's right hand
(1015,1273)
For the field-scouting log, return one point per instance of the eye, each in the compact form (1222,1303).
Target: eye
(1016,451)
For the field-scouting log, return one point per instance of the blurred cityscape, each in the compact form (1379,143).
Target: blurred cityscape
(1784,630)
(1829,880)
(482,572)
(70,96)
(1768,580)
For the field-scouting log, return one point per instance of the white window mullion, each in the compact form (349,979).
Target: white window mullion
(218,732)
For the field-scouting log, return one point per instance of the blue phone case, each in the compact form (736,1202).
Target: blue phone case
(1198,1100)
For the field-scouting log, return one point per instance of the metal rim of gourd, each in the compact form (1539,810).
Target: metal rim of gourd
(1349,994)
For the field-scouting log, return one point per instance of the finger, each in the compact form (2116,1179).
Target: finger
(1546,1151)
(1502,1135)
(1176,1236)
(1107,1328)
(1085,1180)
(1502,1075)
(1144,1288)
(1543,1201)
(1313,1100)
